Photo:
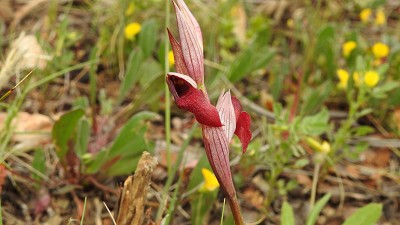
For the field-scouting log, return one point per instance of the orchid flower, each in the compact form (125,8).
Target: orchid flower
(219,123)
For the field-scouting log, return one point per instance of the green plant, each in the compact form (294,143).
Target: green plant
(72,136)
(366,215)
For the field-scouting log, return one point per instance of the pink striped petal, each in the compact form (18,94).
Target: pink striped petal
(191,41)
(187,96)
(192,22)
(227,114)
(217,150)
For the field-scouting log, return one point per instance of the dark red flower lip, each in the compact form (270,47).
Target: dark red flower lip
(179,84)
(187,96)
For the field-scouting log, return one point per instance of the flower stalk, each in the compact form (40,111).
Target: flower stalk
(219,123)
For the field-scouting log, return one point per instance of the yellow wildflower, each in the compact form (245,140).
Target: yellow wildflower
(365,15)
(371,78)
(290,23)
(210,181)
(380,50)
(323,147)
(171,59)
(131,8)
(348,47)
(131,30)
(357,78)
(343,76)
(380,18)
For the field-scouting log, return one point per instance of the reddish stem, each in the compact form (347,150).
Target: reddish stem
(235,208)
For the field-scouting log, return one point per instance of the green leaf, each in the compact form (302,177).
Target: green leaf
(152,92)
(287,216)
(38,164)
(124,153)
(365,112)
(80,102)
(82,139)
(150,70)
(367,215)
(201,205)
(148,37)
(253,58)
(380,92)
(314,98)
(201,201)
(315,124)
(196,176)
(263,59)
(93,163)
(312,218)
(131,76)
(64,129)
(363,130)
(324,49)
(132,131)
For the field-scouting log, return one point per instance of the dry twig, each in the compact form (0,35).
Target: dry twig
(132,201)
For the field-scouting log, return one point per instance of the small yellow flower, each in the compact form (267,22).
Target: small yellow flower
(131,8)
(365,15)
(380,50)
(290,23)
(343,76)
(131,30)
(210,181)
(348,47)
(171,59)
(380,18)
(371,78)
(323,147)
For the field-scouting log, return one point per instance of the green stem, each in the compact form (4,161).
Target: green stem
(198,209)
(175,168)
(167,117)
(167,94)
(314,185)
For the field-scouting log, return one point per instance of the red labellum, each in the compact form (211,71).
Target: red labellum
(243,122)
(188,97)
(243,130)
